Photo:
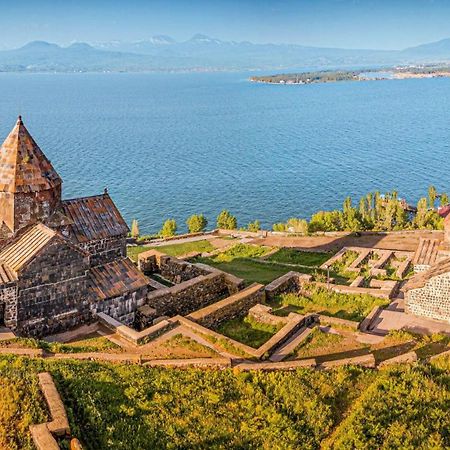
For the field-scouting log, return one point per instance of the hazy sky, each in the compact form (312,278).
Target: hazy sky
(383,24)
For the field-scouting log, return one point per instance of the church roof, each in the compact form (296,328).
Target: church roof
(420,279)
(427,252)
(116,278)
(23,165)
(16,254)
(94,218)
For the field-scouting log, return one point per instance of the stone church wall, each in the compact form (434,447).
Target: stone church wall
(53,291)
(122,308)
(8,304)
(432,300)
(105,250)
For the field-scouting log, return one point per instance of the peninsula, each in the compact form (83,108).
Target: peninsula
(330,76)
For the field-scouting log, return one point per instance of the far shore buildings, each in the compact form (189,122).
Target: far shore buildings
(61,261)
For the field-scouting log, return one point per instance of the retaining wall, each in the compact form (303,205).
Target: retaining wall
(232,307)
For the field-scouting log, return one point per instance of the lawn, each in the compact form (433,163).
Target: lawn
(249,270)
(115,406)
(172,249)
(292,256)
(248,331)
(319,300)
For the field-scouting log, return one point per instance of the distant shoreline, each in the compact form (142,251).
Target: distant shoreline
(328,76)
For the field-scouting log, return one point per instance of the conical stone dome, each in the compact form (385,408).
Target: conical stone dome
(30,188)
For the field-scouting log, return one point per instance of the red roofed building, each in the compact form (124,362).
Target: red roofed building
(61,261)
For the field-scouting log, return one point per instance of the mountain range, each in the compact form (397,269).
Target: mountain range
(203,53)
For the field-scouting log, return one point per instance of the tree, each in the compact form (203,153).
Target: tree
(169,228)
(295,225)
(254,226)
(135,229)
(444,199)
(226,221)
(196,223)
(279,227)
(421,216)
(432,194)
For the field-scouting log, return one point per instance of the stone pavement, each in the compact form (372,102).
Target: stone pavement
(396,319)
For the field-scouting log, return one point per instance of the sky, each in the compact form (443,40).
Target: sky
(377,24)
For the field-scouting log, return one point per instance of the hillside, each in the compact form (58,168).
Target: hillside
(201,53)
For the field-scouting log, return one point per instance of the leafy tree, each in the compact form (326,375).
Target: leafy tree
(169,228)
(432,194)
(297,225)
(254,226)
(421,215)
(226,221)
(444,199)
(279,227)
(135,229)
(196,223)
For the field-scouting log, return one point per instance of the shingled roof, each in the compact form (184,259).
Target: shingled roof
(427,252)
(420,279)
(116,278)
(94,218)
(23,165)
(16,254)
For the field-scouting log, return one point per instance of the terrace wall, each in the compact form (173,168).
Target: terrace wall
(229,308)
(290,282)
(187,297)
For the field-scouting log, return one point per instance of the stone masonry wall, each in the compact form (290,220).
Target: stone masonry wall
(105,250)
(8,305)
(52,291)
(290,282)
(432,300)
(172,269)
(229,308)
(122,308)
(186,297)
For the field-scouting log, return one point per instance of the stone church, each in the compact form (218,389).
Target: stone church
(61,261)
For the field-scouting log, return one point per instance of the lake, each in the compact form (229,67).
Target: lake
(169,145)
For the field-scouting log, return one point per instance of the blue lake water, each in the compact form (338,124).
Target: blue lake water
(168,145)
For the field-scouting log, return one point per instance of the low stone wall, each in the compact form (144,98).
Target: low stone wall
(343,289)
(131,335)
(43,434)
(189,296)
(367,321)
(328,320)
(290,282)
(232,307)
(234,283)
(263,314)
(364,361)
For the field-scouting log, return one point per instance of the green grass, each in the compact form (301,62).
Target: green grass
(172,249)
(85,345)
(292,256)
(248,331)
(240,251)
(115,406)
(318,300)
(249,270)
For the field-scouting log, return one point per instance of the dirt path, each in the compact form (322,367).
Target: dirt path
(402,241)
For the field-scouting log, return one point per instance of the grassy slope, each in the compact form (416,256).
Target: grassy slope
(292,256)
(128,407)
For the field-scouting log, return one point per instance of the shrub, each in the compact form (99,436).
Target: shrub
(279,227)
(196,223)
(169,228)
(226,221)
(134,229)
(254,226)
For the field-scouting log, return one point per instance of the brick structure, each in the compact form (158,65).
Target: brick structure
(428,293)
(61,261)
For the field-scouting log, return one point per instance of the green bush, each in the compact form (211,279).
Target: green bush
(226,221)
(169,228)
(196,223)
